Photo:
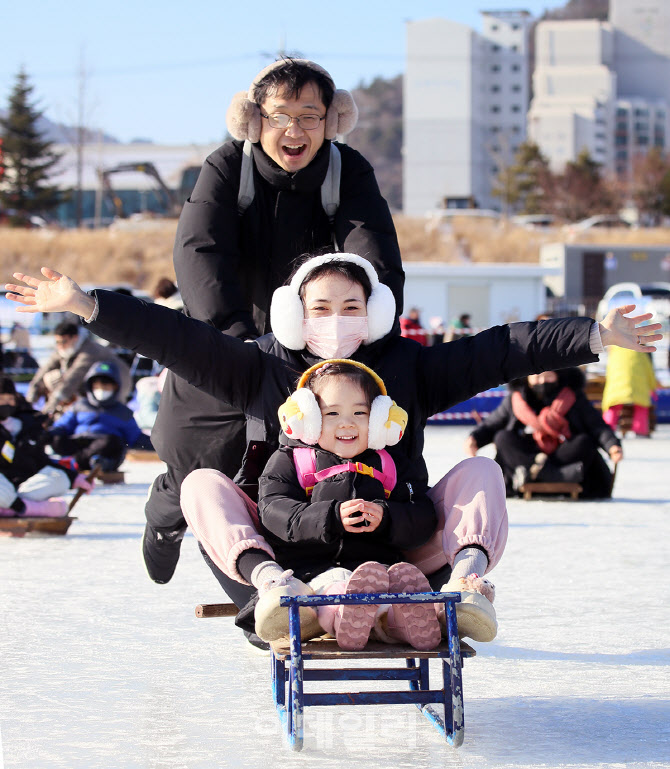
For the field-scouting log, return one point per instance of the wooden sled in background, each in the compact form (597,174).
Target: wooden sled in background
(20,526)
(572,490)
(142,455)
(289,671)
(537,488)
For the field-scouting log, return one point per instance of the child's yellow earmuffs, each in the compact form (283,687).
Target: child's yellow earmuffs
(300,415)
(243,118)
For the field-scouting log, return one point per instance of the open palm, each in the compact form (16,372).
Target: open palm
(633,332)
(58,293)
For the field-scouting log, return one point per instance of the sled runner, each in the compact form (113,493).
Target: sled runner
(289,671)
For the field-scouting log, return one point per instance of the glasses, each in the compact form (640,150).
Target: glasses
(280,120)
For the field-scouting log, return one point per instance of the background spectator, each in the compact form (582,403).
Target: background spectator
(629,381)
(61,377)
(410,327)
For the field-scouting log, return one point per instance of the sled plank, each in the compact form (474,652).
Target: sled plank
(113,477)
(326,648)
(216,610)
(19,527)
(140,455)
(530,489)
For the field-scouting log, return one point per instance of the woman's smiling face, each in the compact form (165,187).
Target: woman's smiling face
(334,295)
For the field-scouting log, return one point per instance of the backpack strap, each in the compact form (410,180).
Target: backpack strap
(389,473)
(330,189)
(245,194)
(305,466)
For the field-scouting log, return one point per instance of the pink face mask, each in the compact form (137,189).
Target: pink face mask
(334,336)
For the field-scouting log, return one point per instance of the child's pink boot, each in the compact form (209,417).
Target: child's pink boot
(351,625)
(417,624)
(56,507)
(475,613)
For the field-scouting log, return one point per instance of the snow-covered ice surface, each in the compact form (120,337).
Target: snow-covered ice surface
(102,668)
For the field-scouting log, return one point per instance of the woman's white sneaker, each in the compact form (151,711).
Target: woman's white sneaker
(475,613)
(272,619)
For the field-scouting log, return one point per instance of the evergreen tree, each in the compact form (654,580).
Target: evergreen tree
(521,186)
(28,159)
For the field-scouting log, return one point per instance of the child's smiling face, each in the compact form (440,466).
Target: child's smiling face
(345,417)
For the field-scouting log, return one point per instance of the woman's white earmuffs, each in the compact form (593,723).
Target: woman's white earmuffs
(243,118)
(300,415)
(287,312)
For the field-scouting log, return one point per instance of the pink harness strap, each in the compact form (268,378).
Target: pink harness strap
(305,465)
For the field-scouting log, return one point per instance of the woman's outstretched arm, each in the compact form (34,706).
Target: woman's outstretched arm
(221,365)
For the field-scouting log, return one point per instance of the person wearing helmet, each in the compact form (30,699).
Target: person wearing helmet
(98,428)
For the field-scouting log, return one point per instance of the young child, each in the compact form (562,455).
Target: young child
(98,428)
(336,512)
(630,380)
(30,482)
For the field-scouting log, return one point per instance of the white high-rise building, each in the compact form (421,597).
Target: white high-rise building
(465,101)
(574,90)
(603,87)
(642,48)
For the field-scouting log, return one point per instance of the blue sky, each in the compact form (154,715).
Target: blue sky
(166,70)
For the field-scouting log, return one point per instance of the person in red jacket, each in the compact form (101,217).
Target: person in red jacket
(411,328)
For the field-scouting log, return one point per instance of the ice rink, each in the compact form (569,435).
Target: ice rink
(103,668)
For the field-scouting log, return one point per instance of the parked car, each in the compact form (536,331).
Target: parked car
(601,221)
(535,221)
(647,297)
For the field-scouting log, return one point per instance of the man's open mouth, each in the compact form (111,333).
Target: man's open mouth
(294,149)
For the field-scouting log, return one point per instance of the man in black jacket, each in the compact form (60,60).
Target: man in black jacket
(238,236)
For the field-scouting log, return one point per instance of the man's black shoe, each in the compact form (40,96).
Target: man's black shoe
(161,552)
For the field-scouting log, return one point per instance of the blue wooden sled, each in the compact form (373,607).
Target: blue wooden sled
(289,672)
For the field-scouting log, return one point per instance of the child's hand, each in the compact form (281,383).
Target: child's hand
(353,512)
(82,482)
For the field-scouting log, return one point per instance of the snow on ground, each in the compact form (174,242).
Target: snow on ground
(103,668)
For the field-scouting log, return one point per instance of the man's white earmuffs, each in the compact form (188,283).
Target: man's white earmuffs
(243,118)
(300,415)
(287,312)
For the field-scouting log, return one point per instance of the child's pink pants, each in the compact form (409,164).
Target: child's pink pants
(640,423)
(470,502)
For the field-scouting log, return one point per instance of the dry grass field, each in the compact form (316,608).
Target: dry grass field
(139,253)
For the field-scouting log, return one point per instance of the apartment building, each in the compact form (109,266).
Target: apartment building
(465,100)
(574,90)
(603,86)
